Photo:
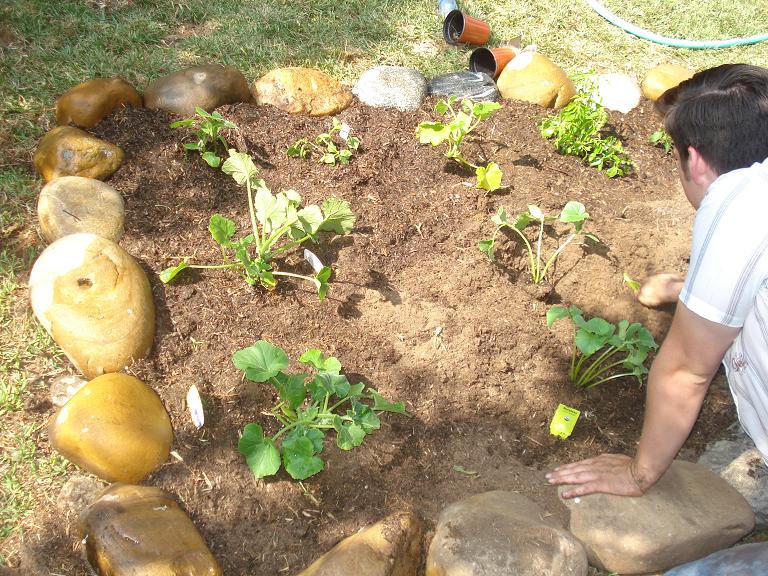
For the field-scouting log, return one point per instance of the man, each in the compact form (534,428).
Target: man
(718,121)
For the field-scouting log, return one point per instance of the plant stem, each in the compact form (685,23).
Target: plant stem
(216,266)
(539,276)
(308,278)
(556,254)
(530,250)
(604,380)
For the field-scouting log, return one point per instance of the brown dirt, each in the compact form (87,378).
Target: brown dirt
(414,310)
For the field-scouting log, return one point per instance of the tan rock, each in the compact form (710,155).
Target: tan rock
(72,204)
(207,87)
(115,427)
(532,77)
(141,530)
(67,151)
(501,533)
(688,514)
(302,91)
(95,301)
(391,547)
(88,103)
(662,78)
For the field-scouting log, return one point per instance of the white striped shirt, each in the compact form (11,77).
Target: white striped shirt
(727,283)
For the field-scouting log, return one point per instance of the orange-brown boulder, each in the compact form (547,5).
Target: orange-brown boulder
(88,103)
(207,87)
(67,151)
(662,78)
(302,91)
(532,77)
(115,427)
(133,530)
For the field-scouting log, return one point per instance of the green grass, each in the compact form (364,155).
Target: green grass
(46,47)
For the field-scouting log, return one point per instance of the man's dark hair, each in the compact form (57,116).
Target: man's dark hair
(723,113)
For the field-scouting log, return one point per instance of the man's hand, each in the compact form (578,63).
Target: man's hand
(608,473)
(660,289)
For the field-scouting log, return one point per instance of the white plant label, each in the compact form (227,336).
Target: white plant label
(313,260)
(195,406)
(344,132)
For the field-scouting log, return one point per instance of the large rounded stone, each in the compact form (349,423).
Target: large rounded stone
(532,77)
(86,104)
(115,427)
(391,547)
(502,533)
(687,514)
(72,204)
(207,87)
(302,91)
(392,87)
(95,301)
(662,78)
(67,151)
(618,92)
(141,530)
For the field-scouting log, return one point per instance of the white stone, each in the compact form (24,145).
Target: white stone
(618,92)
(392,87)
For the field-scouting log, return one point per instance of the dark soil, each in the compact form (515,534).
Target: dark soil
(414,310)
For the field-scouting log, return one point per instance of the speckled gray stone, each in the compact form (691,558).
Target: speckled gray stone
(392,87)
(744,560)
(477,86)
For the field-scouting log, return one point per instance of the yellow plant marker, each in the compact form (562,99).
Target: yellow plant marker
(563,421)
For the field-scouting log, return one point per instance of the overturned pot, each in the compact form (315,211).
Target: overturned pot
(460,28)
(491,60)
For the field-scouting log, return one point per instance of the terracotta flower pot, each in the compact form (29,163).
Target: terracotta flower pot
(491,60)
(459,28)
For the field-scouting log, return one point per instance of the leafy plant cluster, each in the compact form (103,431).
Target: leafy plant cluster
(310,405)
(278,224)
(661,139)
(336,145)
(573,213)
(208,133)
(576,130)
(461,123)
(603,351)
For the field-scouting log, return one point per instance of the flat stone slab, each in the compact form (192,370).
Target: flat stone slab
(688,514)
(744,560)
(477,86)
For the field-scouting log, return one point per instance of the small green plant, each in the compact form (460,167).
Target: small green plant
(278,225)
(576,131)
(603,351)
(453,133)
(661,139)
(329,149)
(309,405)
(208,127)
(572,213)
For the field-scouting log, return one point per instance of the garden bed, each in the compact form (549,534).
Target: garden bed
(414,310)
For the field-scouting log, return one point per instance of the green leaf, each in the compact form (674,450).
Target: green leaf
(573,212)
(328,159)
(222,229)
(240,166)
(363,416)
(182,123)
(299,459)
(309,220)
(337,217)
(261,361)
(486,247)
(193,146)
(556,313)
(170,273)
(592,335)
(291,389)
(381,404)
(322,278)
(522,221)
(633,285)
(314,435)
(484,109)
(260,453)
(489,178)
(433,133)
(211,159)
(462,470)
(442,106)
(329,383)
(500,218)
(316,358)
(348,434)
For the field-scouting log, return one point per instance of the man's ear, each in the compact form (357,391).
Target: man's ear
(701,172)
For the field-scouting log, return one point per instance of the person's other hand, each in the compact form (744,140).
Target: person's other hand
(608,474)
(660,289)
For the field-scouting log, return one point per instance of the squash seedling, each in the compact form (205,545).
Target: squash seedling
(572,213)
(208,127)
(331,151)
(310,405)
(661,139)
(278,225)
(603,351)
(575,130)
(460,124)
